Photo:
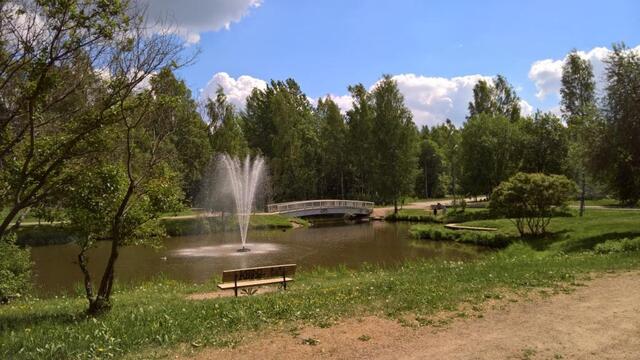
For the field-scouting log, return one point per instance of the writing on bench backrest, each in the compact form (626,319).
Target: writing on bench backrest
(258,272)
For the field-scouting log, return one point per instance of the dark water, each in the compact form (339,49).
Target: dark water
(198,258)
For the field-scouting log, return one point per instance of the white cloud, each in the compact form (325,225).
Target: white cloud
(431,99)
(344,102)
(525,108)
(190,18)
(434,99)
(236,90)
(547,74)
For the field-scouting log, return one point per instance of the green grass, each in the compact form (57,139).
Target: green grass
(426,216)
(574,233)
(607,202)
(491,239)
(155,318)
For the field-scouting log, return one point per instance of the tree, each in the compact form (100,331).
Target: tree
(279,123)
(498,98)
(15,270)
(616,155)
(545,144)
(332,149)
(578,105)
(124,192)
(431,166)
(64,67)
(489,152)
(395,153)
(190,138)
(529,200)
(447,137)
(225,132)
(360,143)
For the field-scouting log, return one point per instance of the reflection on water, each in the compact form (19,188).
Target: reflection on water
(198,258)
(224,250)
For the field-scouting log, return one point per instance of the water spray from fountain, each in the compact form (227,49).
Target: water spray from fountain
(243,178)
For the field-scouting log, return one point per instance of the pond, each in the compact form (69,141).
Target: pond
(198,258)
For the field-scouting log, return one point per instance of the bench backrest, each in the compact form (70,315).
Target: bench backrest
(261,272)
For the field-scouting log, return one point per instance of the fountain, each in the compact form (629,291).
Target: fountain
(243,178)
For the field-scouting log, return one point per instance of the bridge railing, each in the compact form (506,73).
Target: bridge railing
(318,204)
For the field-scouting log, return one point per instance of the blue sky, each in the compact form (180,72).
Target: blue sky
(327,45)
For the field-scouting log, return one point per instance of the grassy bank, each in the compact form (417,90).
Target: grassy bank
(155,318)
(183,224)
(451,216)
(567,233)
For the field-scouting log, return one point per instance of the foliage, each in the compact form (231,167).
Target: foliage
(395,154)
(496,98)
(279,123)
(360,145)
(618,246)
(530,199)
(615,156)
(578,105)
(431,166)
(332,140)
(490,149)
(74,63)
(190,138)
(15,270)
(447,137)
(492,239)
(545,144)
(225,133)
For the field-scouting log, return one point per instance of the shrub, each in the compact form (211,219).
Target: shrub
(15,270)
(618,246)
(530,200)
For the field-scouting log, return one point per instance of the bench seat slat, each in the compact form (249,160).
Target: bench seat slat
(250,283)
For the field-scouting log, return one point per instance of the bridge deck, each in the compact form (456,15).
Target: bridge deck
(320,207)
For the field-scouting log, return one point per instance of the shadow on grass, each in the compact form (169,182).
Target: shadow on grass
(30,320)
(541,243)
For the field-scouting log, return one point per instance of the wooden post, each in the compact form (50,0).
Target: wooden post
(284,278)
(235,284)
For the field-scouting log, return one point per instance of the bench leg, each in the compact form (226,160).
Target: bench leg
(235,285)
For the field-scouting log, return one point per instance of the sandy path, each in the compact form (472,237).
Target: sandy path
(597,321)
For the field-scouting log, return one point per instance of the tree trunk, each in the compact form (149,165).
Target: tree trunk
(582,194)
(395,206)
(426,183)
(88,287)
(4,227)
(102,301)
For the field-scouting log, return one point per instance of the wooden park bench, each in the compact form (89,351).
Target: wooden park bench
(257,276)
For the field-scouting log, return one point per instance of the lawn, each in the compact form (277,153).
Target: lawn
(574,233)
(155,319)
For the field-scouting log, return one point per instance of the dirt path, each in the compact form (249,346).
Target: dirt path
(598,321)
(383,211)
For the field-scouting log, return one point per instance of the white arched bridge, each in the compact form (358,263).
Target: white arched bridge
(351,208)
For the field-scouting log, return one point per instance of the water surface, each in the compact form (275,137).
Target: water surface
(198,258)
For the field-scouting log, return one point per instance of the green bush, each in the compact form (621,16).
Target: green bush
(15,270)
(618,246)
(439,233)
(530,200)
